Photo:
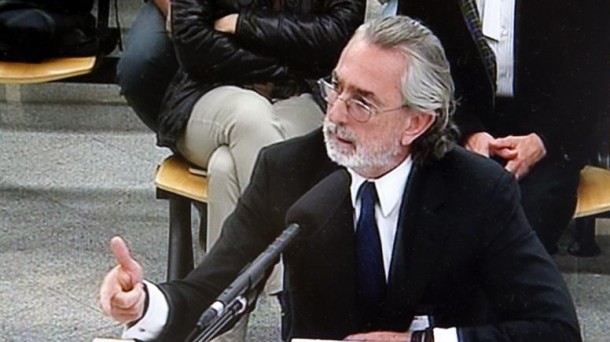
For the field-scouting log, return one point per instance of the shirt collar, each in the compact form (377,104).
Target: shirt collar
(390,187)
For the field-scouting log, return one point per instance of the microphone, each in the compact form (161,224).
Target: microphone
(308,213)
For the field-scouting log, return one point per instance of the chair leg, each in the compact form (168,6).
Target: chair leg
(180,257)
(584,244)
(202,208)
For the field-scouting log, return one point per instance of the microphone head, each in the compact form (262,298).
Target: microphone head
(315,207)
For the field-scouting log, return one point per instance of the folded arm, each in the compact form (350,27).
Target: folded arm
(526,293)
(266,45)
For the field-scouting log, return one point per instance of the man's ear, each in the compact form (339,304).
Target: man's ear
(418,124)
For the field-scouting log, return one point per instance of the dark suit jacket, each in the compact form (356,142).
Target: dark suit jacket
(562,76)
(562,71)
(462,243)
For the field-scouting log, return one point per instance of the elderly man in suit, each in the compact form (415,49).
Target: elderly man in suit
(430,243)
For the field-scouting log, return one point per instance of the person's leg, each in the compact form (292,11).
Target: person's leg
(234,117)
(226,130)
(299,114)
(147,64)
(549,198)
(224,191)
(242,122)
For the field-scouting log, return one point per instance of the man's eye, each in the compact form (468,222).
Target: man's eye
(335,84)
(362,104)
(365,103)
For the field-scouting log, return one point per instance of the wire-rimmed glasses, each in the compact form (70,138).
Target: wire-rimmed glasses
(356,108)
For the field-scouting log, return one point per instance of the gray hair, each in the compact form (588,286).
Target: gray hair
(427,85)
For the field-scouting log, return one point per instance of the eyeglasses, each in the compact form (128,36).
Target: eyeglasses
(356,108)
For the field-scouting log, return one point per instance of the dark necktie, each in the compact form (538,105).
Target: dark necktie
(473,22)
(371,282)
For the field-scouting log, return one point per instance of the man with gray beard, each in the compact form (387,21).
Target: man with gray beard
(429,243)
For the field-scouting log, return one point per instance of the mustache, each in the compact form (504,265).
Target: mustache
(339,131)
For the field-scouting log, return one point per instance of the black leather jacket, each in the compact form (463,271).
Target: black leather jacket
(279,41)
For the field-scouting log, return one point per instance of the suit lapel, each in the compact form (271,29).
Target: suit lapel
(341,230)
(331,250)
(419,238)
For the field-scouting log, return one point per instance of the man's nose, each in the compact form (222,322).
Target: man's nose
(337,111)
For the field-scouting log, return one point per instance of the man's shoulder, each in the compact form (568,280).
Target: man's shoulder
(462,164)
(470,182)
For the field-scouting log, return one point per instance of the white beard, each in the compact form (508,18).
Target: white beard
(363,157)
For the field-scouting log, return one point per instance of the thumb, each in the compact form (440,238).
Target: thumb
(130,271)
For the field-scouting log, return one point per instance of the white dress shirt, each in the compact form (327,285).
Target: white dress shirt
(498,18)
(389,8)
(154,319)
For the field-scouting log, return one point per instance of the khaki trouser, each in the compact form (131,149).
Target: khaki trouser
(227,128)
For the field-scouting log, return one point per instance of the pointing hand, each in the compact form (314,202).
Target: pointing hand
(122,294)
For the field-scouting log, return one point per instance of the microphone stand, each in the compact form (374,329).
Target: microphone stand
(209,327)
(311,211)
(234,301)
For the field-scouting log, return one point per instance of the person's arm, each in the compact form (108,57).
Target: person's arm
(212,55)
(310,41)
(205,53)
(526,292)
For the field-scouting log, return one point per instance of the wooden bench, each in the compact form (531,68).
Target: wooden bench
(593,202)
(182,185)
(46,71)
(91,69)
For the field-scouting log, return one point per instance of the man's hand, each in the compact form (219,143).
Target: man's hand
(380,336)
(521,152)
(122,294)
(227,24)
(479,143)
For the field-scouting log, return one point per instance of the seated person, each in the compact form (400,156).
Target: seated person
(542,128)
(437,232)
